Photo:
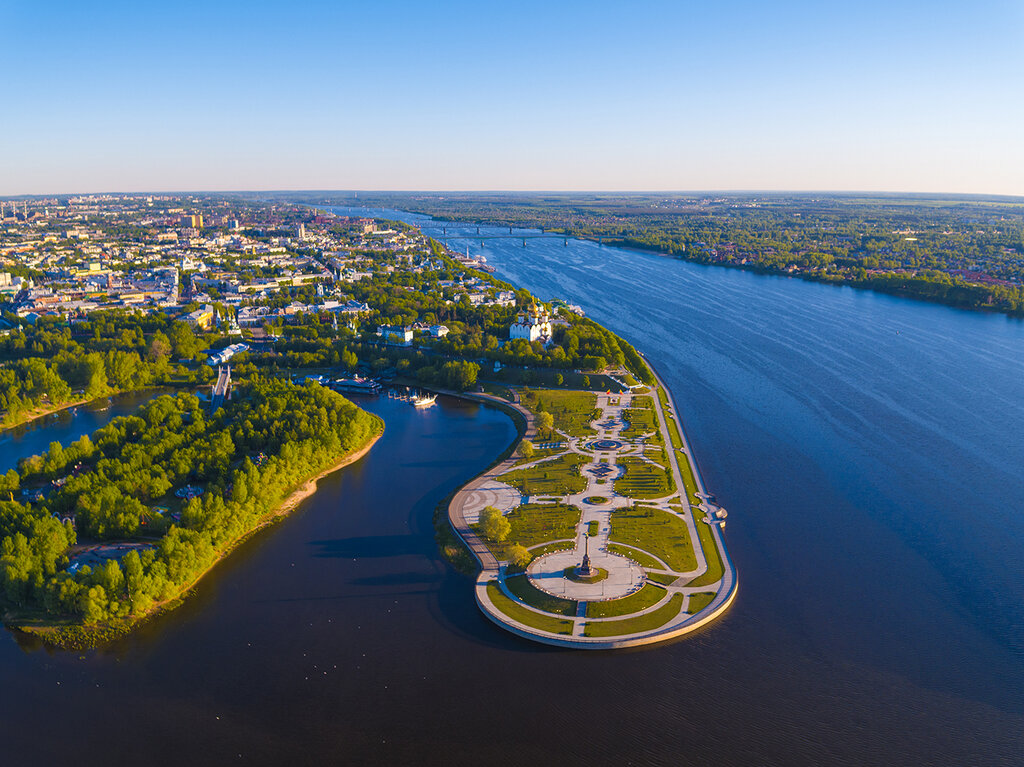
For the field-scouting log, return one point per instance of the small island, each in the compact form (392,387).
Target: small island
(597,532)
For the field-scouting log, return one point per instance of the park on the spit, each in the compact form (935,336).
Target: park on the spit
(597,532)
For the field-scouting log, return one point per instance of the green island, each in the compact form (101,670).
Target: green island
(145,544)
(607,540)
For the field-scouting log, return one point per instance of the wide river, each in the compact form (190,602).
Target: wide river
(869,450)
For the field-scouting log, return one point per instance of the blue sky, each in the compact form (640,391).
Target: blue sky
(894,96)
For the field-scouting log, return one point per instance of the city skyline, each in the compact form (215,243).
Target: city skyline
(906,97)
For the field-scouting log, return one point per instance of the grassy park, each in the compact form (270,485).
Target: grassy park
(656,535)
(572,411)
(524,615)
(648,596)
(520,586)
(644,479)
(662,534)
(645,622)
(559,476)
(699,601)
(641,417)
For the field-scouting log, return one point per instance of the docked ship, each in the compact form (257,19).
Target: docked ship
(423,400)
(357,385)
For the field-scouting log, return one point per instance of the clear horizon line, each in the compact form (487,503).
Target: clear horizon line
(634,192)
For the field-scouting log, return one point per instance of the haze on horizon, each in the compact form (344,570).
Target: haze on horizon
(902,96)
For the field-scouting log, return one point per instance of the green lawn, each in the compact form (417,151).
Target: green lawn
(699,601)
(533,523)
(670,421)
(558,476)
(642,418)
(572,410)
(644,480)
(686,470)
(673,434)
(547,378)
(520,586)
(647,622)
(707,543)
(521,614)
(547,548)
(662,578)
(641,558)
(537,455)
(662,534)
(498,391)
(662,397)
(646,597)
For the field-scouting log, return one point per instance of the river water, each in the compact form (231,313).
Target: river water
(869,450)
(65,426)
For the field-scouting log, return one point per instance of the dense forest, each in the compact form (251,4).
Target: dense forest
(53,362)
(962,251)
(246,457)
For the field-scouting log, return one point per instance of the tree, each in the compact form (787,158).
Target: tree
(545,422)
(586,382)
(349,359)
(559,380)
(519,555)
(495,526)
(184,340)
(459,375)
(526,449)
(159,347)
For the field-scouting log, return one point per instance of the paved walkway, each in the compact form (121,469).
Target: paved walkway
(461,506)
(624,575)
(489,492)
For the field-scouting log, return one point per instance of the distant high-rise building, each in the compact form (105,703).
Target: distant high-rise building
(191,220)
(300,231)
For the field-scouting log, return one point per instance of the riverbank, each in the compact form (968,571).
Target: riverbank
(67,635)
(957,293)
(37,414)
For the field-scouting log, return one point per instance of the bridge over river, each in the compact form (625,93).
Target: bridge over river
(222,388)
(542,235)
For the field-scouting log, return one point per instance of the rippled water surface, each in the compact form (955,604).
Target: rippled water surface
(870,453)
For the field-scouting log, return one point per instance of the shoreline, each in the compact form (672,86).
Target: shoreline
(88,401)
(81,636)
(67,406)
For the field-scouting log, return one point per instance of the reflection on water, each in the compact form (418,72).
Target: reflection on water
(65,426)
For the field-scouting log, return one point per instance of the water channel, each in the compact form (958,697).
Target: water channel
(868,449)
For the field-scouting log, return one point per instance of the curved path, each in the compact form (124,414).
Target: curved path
(462,506)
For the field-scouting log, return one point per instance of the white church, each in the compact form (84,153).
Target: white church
(534,325)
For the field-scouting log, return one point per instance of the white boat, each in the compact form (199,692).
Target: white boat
(357,384)
(423,400)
